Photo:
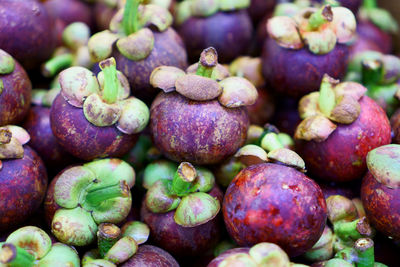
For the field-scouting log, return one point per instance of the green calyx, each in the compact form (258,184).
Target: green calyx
(380,17)
(7,63)
(12,139)
(107,235)
(43,97)
(122,250)
(320,17)
(139,231)
(323,249)
(96,192)
(14,256)
(158,170)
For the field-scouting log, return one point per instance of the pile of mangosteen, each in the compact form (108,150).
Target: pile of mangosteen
(205,133)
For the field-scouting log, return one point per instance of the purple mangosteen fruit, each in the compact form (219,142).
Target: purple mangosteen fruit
(395,123)
(183,211)
(258,9)
(300,50)
(15,90)
(81,197)
(379,190)
(151,256)
(205,121)
(23,177)
(340,126)
(27,32)
(222,24)
(95,117)
(141,39)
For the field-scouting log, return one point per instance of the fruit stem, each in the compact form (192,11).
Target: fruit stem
(110,91)
(14,256)
(326,99)
(369,4)
(107,235)
(57,64)
(208,61)
(347,229)
(97,195)
(183,179)
(130,21)
(320,17)
(365,251)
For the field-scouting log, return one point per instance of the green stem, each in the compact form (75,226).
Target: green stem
(372,72)
(271,142)
(14,256)
(107,235)
(369,4)
(320,17)
(326,101)
(57,64)
(207,63)
(347,229)
(365,251)
(97,195)
(183,179)
(130,21)
(110,91)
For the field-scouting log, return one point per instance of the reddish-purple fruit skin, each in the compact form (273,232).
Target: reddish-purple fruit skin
(341,157)
(370,33)
(382,206)
(168,50)
(26,31)
(286,116)
(15,98)
(261,112)
(395,123)
(274,203)
(23,185)
(199,132)
(151,256)
(183,241)
(228,32)
(81,138)
(258,8)
(296,73)
(37,124)
(216,261)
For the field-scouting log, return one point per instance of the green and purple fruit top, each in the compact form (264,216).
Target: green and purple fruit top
(130,31)
(204,81)
(12,140)
(104,99)
(30,246)
(88,195)
(206,8)
(380,17)
(186,193)
(317,29)
(335,103)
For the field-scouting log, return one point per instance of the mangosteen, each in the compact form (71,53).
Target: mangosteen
(379,190)
(375,27)
(222,24)
(191,124)
(73,51)
(270,202)
(27,32)
(95,117)
(23,177)
(81,197)
(141,39)
(151,256)
(31,246)
(258,8)
(251,69)
(15,90)
(395,123)
(182,211)
(300,50)
(340,126)
(37,123)
(65,12)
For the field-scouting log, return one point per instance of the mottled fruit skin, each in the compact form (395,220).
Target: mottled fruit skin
(199,132)
(395,123)
(216,261)
(228,32)
(262,111)
(23,184)
(382,206)
(341,157)
(26,32)
(15,98)
(151,256)
(258,8)
(183,241)
(81,138)
(274,203)
(37,124)
(168,50)
(296,73)
(369,32)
